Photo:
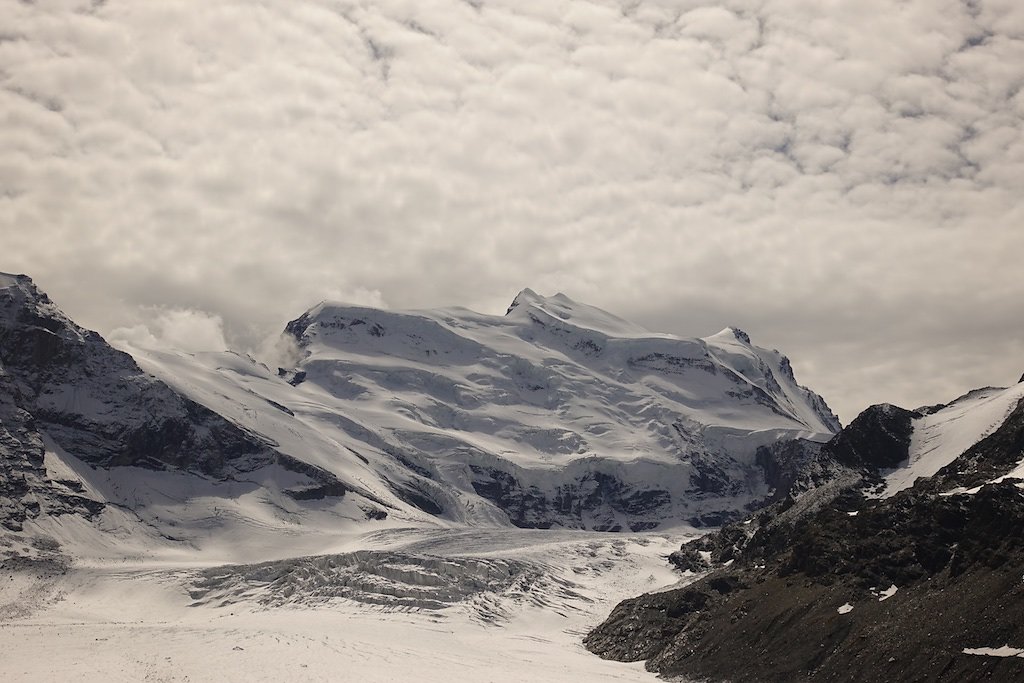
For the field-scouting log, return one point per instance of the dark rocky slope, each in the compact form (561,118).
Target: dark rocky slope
(773,613)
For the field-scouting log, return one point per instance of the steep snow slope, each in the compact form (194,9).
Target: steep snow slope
(939,437)
(557,413)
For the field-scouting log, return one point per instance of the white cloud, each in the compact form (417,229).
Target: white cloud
(175,328)
(840,179)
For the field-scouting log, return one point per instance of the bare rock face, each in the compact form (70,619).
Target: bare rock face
(825,608)
(61,382)
(879,437)
(789,465)
(588,499)
(96,403)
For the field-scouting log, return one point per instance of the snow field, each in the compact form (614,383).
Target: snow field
(516,605)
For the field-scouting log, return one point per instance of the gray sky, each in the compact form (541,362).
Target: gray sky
(843,180)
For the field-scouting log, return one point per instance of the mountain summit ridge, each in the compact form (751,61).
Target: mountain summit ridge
(564,388)
(585,328)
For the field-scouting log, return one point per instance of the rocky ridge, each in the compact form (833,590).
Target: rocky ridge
(835,584)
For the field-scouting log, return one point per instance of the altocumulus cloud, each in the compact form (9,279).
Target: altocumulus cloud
(842,179)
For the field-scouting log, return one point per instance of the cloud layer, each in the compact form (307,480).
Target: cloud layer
(842,180)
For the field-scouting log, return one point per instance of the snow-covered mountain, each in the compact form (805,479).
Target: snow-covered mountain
(555,414)
(89,441)
(370,490)
(378,478)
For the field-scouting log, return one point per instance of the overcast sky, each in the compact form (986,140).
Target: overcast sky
(843,180)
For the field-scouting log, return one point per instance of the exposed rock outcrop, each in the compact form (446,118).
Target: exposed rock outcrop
(835,586)
(877,438)
(592,500)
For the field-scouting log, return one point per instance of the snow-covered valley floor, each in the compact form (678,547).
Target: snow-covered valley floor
(403,605)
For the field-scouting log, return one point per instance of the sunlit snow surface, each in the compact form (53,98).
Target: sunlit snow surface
(1004,651)
(409,605)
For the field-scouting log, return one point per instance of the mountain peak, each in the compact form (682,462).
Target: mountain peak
(561,309)
(526,296)
(732,333)
(10,282)
(739,334)
(24,307)
(12,279)
(560,301)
